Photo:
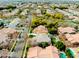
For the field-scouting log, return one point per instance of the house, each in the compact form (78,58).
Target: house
(69,36)
(4,53)
(38,52)
(7,35)
(64,30)
(38,39)
(41,35)
(40,30)
(73,39)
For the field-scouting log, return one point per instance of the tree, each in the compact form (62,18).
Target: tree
(58,16)
(43,44)
(52,24)
(63,7)
(70,53)
(53,7)
(10,7)
(53,41)
(62,55)
(43,11)
(1,23)
(60,46)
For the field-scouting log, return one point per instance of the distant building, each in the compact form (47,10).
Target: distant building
(50,11)
(8,14)
(25,12)
(14,23)
(38,12)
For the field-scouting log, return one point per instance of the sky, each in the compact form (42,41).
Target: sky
(18,0)
(4,2)
(35,0)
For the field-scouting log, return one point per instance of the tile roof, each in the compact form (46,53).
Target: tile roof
(66,30)
(38,52)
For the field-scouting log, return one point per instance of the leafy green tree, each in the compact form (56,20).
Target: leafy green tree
(70,53)
(62,55)
(53,41)
(43,44)
(10,7)
(58,16)
(43,11)
(1,23)
(60,46)
(63,7)
(53,7)
(52,24)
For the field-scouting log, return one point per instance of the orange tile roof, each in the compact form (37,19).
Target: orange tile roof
(38,52)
